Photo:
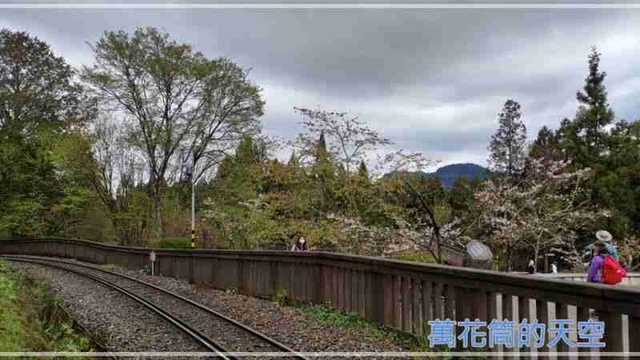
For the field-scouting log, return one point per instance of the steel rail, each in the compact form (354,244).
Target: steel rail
(202,339)
(254,332)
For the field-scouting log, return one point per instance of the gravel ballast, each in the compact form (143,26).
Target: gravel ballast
(285,324)
(123,324)
(229,336)
(288,325)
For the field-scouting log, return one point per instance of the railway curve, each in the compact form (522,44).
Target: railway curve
(201,323)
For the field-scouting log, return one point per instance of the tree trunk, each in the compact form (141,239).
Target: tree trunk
(156,186)
(536,252)
(439,249)
(509,265)
(157,202)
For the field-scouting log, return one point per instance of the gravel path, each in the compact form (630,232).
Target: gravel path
(288,325)
(123,324)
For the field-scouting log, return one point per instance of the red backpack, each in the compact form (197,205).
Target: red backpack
(612,271)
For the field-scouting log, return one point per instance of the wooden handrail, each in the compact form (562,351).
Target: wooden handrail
(395,293)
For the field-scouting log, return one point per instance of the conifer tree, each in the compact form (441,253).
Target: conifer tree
(585,139)
(323,172)
(363,172)
(546,146)
(508,143)
(323,166)
(321,154)
(293,160)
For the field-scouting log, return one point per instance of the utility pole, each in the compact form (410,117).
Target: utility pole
(193,206)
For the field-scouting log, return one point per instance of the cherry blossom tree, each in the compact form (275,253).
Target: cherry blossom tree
(348,139)
(538,214)
(428,228)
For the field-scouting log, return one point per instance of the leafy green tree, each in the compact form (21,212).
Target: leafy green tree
(461,195)
(175,99)
(426,220)
(37,89)
(40,106)
(508,143)
(240,176)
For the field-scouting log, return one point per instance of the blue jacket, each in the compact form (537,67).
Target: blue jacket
(613,251)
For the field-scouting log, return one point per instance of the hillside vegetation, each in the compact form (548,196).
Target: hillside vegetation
(108,152)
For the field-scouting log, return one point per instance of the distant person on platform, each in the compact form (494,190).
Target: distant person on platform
(554,267)
(300,245)
(531,268)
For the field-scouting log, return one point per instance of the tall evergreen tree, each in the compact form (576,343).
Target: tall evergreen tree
(323,165)
(321,153)
(508,143)
(293,160)
(240,176)
(585,139)
(323,171)
(546,146)
(363,172)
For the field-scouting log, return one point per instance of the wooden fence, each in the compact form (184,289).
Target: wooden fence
(401,295)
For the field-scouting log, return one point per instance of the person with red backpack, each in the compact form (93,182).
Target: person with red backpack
(604,268)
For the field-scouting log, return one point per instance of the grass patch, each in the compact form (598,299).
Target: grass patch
(328,316)
(414,255)
(175,243)
(281,297)
(32,319)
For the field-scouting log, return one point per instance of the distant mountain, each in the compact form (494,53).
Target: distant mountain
(450,173)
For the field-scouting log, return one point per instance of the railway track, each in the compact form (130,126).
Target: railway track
(199,322)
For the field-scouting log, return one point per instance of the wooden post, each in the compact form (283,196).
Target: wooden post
(612,332)
(542,315)
(582,314)
(439,302)
(507,307)
(416,306)
(388,300)
(450,301)
(634,334)
(562,312)
(524,312)
(406,304)
(397,311)
(428,304)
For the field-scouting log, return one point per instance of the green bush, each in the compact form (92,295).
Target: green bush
(32,319)
(281,297)
(414,255)
(175,243)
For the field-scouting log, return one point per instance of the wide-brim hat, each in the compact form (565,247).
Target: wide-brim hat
(604,235)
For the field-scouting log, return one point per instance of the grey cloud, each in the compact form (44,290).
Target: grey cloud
(418,76)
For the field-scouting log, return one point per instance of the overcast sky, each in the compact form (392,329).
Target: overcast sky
(431,80)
